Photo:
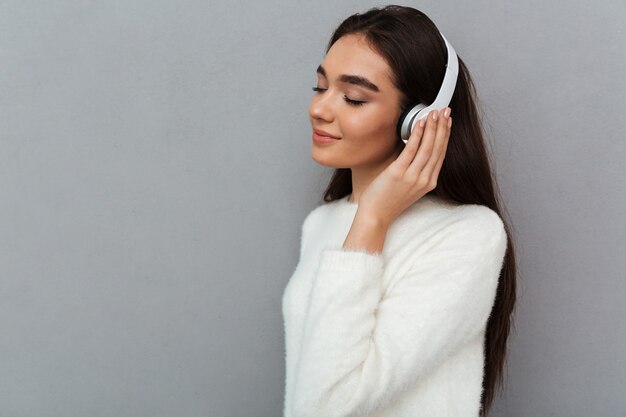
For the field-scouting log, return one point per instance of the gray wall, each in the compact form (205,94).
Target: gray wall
(155,170)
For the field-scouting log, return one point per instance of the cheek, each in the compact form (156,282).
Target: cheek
(363,125)
(375,128)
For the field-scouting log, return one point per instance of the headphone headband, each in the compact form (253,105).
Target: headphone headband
(409,118)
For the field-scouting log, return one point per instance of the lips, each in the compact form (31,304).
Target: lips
(320,132)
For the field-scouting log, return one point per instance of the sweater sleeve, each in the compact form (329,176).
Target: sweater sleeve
(363,347)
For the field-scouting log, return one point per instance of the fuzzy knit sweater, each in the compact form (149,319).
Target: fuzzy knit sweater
(395,334)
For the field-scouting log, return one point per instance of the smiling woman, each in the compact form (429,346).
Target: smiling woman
(401,302)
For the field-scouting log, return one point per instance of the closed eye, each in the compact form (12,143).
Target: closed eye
(349,101)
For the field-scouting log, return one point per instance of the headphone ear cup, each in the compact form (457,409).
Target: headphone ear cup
(411,112)
(401,121)
(421,114)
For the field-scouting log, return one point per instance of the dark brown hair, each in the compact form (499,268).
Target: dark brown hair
(412,46)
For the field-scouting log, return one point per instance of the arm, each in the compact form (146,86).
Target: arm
(361,350)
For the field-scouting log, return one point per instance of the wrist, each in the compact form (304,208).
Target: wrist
(371,219)
(367,233)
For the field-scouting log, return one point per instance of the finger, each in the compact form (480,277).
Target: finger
(440,140)
(412,145)
(426,146)
(439,164)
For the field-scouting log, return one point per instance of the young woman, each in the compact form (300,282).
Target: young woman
(402,300)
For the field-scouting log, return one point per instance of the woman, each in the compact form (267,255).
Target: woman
(402,299)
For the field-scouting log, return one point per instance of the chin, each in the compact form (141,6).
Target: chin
(327,160)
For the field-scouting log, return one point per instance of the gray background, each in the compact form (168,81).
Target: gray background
(155,170)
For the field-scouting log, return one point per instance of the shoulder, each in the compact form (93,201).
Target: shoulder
(315,216)
(478,219)
(437,224)
(459,217)
(320,218)
(476,228)
(324,212)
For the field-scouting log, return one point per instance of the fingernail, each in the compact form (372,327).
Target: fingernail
(423,122)
(434,115)
(446,113)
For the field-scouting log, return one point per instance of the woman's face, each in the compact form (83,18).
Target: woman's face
(367,131)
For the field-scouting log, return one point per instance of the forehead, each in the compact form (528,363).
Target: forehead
(352,55)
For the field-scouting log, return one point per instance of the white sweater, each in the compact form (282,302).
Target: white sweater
(399,333)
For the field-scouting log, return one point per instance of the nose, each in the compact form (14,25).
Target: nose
(321,107)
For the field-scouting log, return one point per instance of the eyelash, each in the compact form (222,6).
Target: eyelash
(350,102)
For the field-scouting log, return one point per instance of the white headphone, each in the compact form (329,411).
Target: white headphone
(409,117)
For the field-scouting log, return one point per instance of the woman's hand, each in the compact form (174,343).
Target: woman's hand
(413,174)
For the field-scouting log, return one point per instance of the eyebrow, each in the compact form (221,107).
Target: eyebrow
(352,79)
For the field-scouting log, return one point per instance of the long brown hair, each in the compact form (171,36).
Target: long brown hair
(412,46)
